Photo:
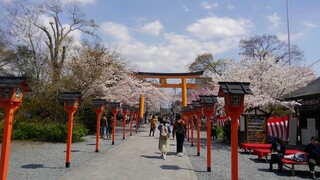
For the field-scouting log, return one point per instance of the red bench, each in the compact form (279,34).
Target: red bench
(288,162)
(266,152)
(251,146)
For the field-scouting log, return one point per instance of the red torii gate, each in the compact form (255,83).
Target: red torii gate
(163,81)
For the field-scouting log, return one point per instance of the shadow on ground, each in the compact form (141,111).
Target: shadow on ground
(37,166)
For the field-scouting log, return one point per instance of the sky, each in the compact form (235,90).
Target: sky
(167,35)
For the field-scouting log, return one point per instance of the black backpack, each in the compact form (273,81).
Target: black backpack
(180,129)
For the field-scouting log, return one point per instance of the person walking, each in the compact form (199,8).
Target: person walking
(313,150)
(180,131)
(103,126)
(109,126)
(153,124)
(164,137)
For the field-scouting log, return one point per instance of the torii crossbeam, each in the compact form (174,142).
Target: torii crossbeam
(183,85)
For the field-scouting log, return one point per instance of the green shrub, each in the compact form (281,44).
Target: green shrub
(38,131)
(227,131)
(219,131)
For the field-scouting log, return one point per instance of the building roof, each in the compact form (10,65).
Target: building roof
(11,82)
(311,90)
(234,88)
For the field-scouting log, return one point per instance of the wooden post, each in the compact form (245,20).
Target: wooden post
(208,115)
(71,112)
(98,113)
(192,127)
(124,124)
(114,112)
(198,133)
(131,119)
(5,149)
(184,91)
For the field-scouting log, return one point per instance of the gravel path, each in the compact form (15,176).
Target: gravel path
(249,166)
(42,160)
(39,160)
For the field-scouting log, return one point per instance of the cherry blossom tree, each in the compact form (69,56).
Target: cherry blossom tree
(96,71)
(269,80)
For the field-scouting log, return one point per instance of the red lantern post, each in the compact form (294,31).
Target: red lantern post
(191,116)
(197,107)
(114,109)
(99,105)
(11,93)
(137,111)
(125,109)
(233,93)
(131,118)
(71,100)
(208,104)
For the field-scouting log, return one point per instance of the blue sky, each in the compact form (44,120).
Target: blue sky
(167,35)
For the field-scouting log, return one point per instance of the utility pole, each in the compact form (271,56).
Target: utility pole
(288,27)
(174,105)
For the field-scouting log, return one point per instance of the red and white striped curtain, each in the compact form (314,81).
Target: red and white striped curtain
(221,121)
(278,127)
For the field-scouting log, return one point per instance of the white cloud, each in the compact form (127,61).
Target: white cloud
(174,56)
(208,28)
(309,25)
(6,1)
(81,1)
(206,5)
(229,6)
(153,28)
(293,36)
(185,8)
(117,31)
(274,19)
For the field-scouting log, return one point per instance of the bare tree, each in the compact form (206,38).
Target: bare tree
(40,27)
(261,47)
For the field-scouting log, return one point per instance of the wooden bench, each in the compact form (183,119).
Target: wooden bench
(288,162)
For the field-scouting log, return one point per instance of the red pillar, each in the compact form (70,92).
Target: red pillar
(137,122)
(124,124)
(5,150)
(71,112)
(98,113)
(198,133)
(234,114)
(131,119)
(114,112)
(208,115)
(188,126)
(192,127)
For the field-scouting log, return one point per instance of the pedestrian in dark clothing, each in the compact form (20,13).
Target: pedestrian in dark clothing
(103,126)
(278,150)
(180,131)
(313,150)
(214,130)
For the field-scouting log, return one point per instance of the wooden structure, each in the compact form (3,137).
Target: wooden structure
(163,77)
(253,126)
(309,111)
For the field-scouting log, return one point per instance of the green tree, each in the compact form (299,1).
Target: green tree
(206,63)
